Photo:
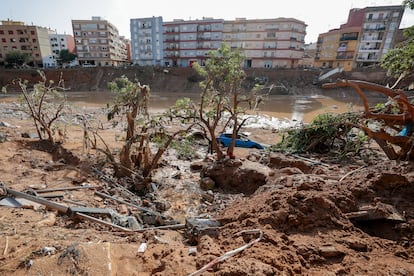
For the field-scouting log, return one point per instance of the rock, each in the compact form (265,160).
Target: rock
(3,137)
(279,161)
(30,135)
(5,124)
(50,220)
(197,166)
(330,251)
(357,245)
(235,176)
(162,205)
(123,209)
(290,171)
(206,183)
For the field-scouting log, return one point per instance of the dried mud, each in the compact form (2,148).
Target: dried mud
(318,215)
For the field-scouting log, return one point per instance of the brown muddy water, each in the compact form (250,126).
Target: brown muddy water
(293,107)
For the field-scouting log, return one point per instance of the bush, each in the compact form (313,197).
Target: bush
(326,133)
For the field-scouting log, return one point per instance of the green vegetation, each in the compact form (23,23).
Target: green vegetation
(66,57)
(399,62)
(45,103)
(327,133)
(222,93)
(16,59)
(131,105)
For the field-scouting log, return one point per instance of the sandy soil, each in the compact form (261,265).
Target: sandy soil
(317,216)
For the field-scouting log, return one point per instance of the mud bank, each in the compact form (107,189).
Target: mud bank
(289,82)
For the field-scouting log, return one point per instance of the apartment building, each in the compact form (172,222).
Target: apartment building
(32,40)
(267,43)
(98,43)
(147,41)
(337,48)
(186,42)
(58,42)
(127,43)
(379,30)
(368,34)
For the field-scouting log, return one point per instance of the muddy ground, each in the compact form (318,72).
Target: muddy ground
(298,215)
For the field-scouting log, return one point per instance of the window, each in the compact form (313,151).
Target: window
(32,32)
(3,40)
(1,32)
(10,32)
(34,40)
(12,40)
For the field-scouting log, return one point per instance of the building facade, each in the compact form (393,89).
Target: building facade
(58,42)
(147,41)
(15,36)
(267,43)
(98,43)
(379,30)
(337,48)
(368,34)
(186,42)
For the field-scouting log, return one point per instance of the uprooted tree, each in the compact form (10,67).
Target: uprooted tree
(44,103)
(327,133)
(131,103)
(391,124)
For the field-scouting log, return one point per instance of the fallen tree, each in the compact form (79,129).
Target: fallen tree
(392,121)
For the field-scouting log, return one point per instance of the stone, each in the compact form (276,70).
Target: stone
(206,183)
(330,251)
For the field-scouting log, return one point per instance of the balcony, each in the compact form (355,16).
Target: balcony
(369,48)
(203,28)
(374,58)
(203,37)
(375,29)
(343,57)
(167,39)
(378,19)
(347,38)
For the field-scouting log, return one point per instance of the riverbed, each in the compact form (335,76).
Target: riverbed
(302,108)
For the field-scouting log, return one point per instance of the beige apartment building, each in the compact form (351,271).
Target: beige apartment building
(15,36)
(267,43)
(337,48)
(98,43)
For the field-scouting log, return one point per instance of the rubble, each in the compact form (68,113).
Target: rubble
(266,214)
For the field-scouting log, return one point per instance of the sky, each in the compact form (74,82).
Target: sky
(319,15)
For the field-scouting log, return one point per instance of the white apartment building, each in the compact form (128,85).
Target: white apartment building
(379,30)
(147,41)
(58,42)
